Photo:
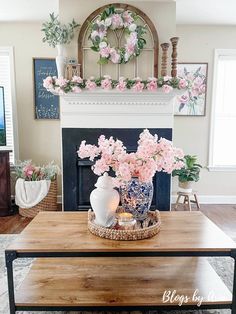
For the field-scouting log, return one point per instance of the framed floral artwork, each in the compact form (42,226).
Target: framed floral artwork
(193,101)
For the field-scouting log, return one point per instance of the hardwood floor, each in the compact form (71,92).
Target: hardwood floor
(222,215)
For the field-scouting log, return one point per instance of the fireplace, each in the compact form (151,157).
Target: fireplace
(78,178)
(87,115)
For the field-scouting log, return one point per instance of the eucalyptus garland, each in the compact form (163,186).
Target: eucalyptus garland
(117,19)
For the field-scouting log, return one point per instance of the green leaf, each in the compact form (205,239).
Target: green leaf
(94,48)
(103,61)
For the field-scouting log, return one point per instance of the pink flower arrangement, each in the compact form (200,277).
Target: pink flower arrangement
(152,155)
(116,21)
(152,84)
(29,172)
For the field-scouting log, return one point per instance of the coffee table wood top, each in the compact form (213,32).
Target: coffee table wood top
(67,232)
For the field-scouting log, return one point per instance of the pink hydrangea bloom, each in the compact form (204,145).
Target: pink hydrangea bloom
(114,56)
(121,86)
(127,18)
(61,82)
(77,79)
(167,88)
(106,84)
(90,85)
(152,86)
(76,89)
(48,82)
(138,87)
(105,52)
(116,21)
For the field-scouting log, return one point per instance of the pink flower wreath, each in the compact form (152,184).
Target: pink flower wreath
(112,18)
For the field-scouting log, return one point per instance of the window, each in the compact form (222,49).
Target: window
(8,82)
(223,123)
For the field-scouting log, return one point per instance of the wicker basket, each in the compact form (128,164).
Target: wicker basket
(49,203)
(126,235)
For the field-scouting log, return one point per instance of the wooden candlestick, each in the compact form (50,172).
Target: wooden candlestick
(174,42)
(164,47)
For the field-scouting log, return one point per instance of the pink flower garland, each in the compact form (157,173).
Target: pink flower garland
(77,84)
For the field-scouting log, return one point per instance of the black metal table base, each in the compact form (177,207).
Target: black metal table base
(10,256)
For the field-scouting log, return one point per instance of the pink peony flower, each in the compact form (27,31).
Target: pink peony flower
(130,47)
(106,84)
(48,82)
(127,18)
(28,170)
(167,88)
(116,21)
(138,87)
(183,83)
(76,89)
(77,79)
(121,86)
(61,82)
(152,86)
(114,56)
(90,85)
(105,52)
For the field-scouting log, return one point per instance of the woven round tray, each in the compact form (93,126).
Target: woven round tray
(150,227)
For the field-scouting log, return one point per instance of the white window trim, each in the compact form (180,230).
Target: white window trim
(10,50)
(211,167)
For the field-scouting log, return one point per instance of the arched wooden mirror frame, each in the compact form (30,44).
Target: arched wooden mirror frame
(125,7)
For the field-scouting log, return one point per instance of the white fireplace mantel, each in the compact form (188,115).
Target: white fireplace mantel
(113,109)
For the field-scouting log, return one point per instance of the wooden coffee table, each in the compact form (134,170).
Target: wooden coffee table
(75,270)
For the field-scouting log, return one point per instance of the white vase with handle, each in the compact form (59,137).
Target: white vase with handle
(60,61)
(104,201)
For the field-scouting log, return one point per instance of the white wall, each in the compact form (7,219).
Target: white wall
(38,139)
(197,44)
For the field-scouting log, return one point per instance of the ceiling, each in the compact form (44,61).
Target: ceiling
(204,12)
(26,10)
(209,12)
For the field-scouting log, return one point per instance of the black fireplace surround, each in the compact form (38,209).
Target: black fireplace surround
(78,178)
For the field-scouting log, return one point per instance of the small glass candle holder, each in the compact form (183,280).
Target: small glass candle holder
(126,221)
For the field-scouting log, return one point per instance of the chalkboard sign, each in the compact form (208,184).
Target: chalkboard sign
(46,104)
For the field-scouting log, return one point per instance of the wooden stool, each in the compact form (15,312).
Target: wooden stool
(187,199)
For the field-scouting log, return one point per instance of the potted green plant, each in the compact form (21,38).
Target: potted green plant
(57,35)
(188,174)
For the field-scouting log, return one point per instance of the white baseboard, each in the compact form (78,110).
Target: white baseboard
(203,199)
(212,199)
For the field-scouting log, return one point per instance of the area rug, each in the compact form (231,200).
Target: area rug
(223,267)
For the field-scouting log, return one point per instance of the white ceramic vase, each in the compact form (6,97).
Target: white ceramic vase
(60,61)
(104,201)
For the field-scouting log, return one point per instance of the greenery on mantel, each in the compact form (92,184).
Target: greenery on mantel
(57,33)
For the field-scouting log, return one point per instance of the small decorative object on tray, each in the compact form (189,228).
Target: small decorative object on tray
(130,230)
